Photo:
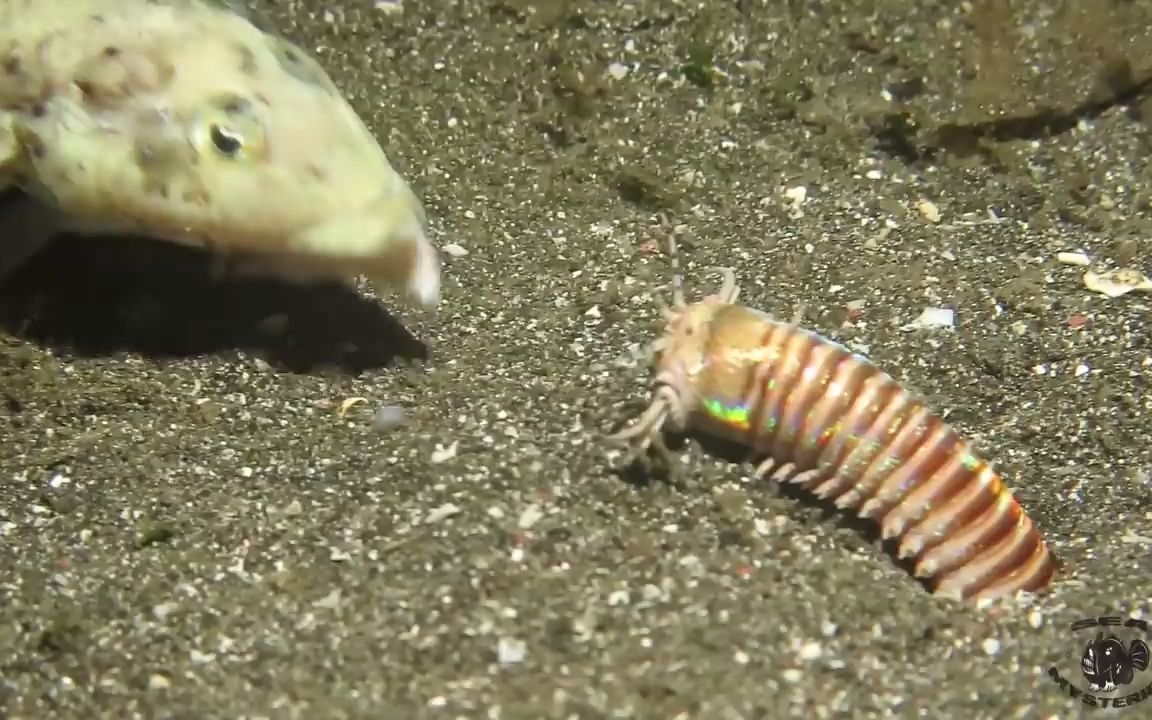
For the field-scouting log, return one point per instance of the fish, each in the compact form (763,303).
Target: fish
(828,420)
(192,122)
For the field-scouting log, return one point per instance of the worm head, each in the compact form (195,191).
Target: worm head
(681,353)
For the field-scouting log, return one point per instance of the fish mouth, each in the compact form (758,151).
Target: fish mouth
(413,265)
(403,255)
(389,238)
(387,242)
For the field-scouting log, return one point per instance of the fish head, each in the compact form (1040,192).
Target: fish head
(221,135)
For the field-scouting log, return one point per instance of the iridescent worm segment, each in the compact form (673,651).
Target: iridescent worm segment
(830,421)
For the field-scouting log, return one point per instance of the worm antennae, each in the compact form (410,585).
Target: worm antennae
(677,278)
(729,289)
(647,424)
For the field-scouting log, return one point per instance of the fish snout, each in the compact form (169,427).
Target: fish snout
(407,258)
(385,240)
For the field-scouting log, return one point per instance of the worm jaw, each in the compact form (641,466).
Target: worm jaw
(673,388)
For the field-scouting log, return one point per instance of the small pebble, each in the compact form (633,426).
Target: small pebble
(329,601)
(510,651)
(933,317)
(929,210)
(441,513)
(388,417)
(991,646)
(444,454)
(811,651)
(529,516)
(455,250)
(618,597)
(1073,258)
(796,195)
(163,610)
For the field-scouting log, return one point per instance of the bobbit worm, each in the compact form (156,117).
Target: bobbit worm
(819,416)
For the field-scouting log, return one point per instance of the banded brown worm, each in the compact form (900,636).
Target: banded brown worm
(832,422)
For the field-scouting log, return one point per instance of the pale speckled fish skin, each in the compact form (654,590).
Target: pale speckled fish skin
(124,115)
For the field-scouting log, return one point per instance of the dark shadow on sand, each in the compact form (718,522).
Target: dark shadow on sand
(102,296)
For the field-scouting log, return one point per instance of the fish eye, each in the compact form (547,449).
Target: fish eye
(225,140)
(228,128)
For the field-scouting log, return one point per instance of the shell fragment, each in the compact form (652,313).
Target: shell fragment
(932,317)
(1117,282)
(1074,258)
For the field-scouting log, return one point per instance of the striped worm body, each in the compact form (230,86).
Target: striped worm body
(832,422)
